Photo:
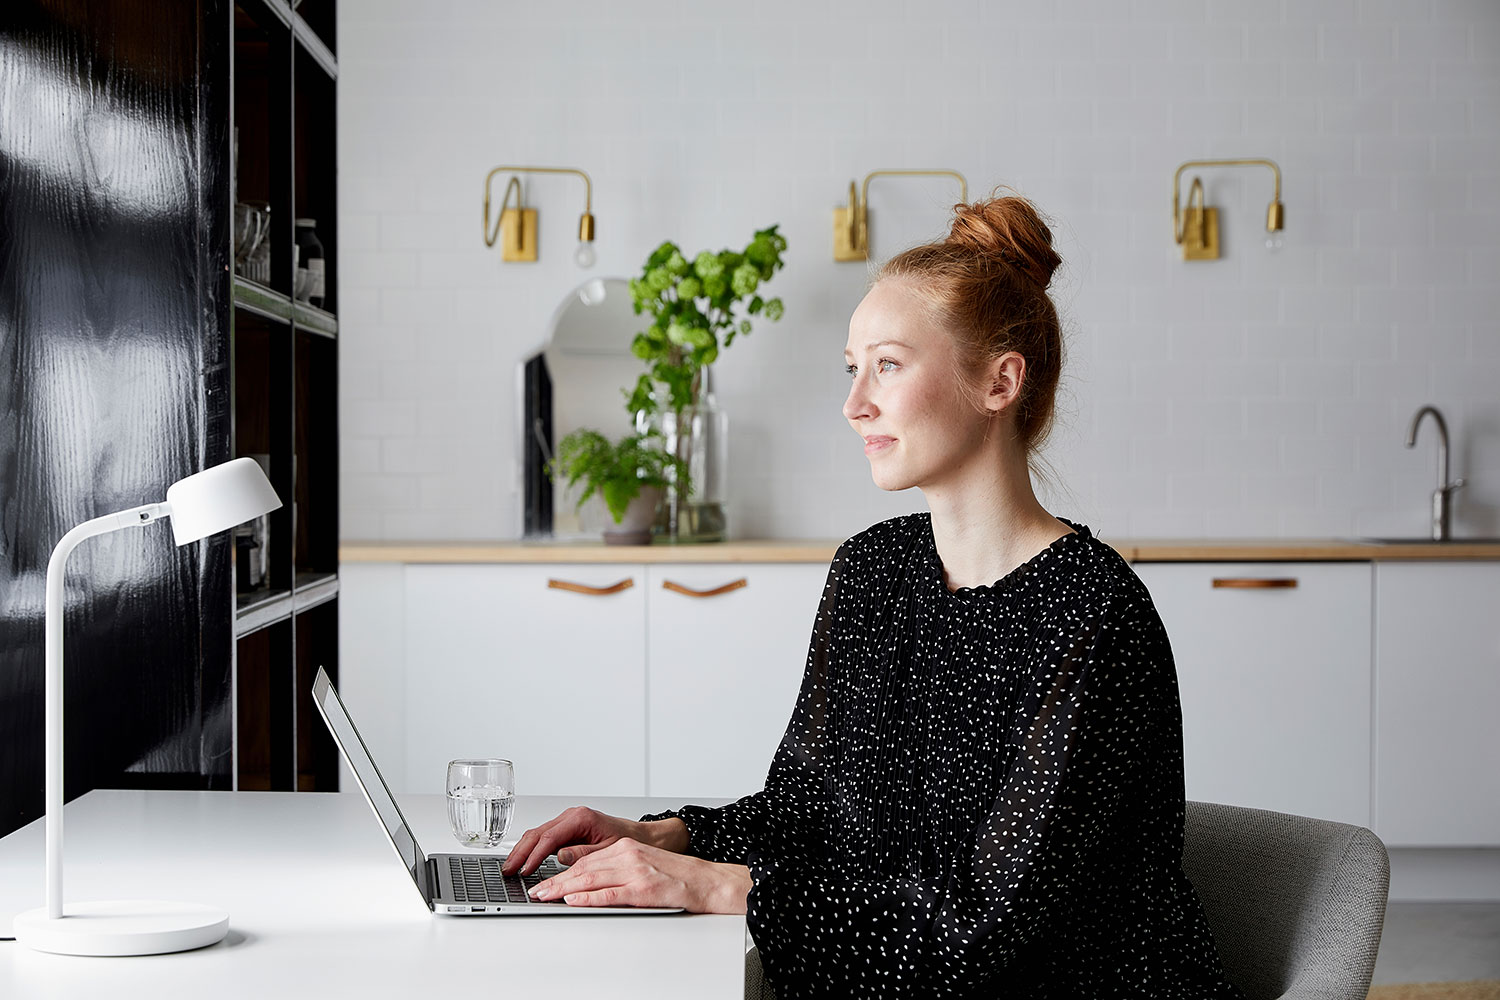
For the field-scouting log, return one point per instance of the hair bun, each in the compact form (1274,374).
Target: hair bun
(1011,229)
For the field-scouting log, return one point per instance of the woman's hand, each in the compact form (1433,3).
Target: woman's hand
(579,831)
(628,873)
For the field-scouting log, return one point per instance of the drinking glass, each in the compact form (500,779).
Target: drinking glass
(481,795)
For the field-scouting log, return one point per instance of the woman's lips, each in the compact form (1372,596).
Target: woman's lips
(878,444)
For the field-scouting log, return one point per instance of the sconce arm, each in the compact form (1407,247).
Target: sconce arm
(864,191)
(588,193)
(1177,226)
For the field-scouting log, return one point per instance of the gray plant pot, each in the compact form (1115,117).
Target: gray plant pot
(635,529)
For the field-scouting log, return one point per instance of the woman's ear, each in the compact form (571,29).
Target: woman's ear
(1007,374)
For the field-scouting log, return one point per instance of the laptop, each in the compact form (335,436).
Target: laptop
(467,885)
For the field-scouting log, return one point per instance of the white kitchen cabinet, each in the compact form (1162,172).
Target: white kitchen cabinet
(1437,704)
(1275,682)
(510,661)
(724,667)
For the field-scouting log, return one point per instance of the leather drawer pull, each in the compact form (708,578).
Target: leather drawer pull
(581,588)
(1255,582)
(678,588)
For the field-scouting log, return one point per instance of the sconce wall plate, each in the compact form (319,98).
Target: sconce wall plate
(518,234)
(850,241)
(1200,236)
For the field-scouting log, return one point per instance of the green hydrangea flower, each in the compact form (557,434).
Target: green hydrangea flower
(689,287)
(677,263)
(774,310)
(708,265)
(715,286)
(744,326)
(658,280)
(745,279)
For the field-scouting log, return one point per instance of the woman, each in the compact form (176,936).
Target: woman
(980,790)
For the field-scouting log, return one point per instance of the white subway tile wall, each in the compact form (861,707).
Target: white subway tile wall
(1264,394)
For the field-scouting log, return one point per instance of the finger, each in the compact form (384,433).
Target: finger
(526,846)
(611,896)
(571,855)
(572,826)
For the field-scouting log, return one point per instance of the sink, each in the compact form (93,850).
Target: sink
(1426,541)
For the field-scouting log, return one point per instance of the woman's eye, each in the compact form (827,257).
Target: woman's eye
(851,370)
(882,364)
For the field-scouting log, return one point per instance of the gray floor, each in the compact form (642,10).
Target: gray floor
(1437,942)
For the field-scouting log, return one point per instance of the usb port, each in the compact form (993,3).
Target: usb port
(476,909)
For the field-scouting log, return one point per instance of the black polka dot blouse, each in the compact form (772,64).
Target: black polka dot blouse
(979,793)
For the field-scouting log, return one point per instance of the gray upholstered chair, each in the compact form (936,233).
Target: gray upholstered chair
(1296,904)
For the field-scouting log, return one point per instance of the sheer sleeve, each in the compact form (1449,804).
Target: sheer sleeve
(789,815)
(1075,744)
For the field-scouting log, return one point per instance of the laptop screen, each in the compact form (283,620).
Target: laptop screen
(331,707)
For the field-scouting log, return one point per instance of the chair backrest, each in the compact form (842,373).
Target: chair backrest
(1296,904)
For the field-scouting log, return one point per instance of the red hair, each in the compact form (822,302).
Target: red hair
(987,284)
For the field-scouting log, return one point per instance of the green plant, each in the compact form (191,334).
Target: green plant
(617,472)
(691,304)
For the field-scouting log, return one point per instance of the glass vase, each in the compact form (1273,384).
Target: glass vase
(699,435)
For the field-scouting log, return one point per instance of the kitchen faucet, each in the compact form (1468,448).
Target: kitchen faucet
(1442,497)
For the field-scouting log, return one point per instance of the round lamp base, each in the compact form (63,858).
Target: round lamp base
(122,927)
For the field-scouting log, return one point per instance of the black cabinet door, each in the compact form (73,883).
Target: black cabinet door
(114,299)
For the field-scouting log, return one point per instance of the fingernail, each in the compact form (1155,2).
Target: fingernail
(565,856)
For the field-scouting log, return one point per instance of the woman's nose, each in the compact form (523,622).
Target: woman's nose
(857,405)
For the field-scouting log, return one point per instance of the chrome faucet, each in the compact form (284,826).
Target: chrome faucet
(1442,497)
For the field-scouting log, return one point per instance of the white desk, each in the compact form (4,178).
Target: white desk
(319,906)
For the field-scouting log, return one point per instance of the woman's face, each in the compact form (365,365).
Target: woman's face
(920,427)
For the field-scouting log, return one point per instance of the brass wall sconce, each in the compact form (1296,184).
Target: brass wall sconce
(851,224)
(516,226)
(1196,228)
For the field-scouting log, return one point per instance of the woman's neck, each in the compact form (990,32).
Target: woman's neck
(990,524)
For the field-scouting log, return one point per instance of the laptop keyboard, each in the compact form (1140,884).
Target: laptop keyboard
(478,880)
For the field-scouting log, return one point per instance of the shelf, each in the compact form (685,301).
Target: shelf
(256,610)
(257,298)
(310,41)
(312,589)
(314,320)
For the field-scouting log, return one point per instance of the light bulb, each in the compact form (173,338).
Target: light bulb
(1273,239)
(584,255)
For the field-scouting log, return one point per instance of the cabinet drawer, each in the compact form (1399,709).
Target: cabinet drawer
(544,665)
(1437,704)
(728,643)
(1273,662)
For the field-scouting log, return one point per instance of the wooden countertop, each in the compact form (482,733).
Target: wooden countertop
(821,551)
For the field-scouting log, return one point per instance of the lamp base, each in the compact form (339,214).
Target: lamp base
(122,927)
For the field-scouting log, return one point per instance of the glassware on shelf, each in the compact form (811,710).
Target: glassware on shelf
(311,254)
(250,221)
(257,265)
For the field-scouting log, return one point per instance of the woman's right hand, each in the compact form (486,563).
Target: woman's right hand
(581,830)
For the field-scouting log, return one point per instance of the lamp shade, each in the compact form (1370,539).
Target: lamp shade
(219,498)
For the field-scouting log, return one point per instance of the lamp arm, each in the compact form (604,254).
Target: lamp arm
(56,567)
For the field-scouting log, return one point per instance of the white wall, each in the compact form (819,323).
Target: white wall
(1259,395)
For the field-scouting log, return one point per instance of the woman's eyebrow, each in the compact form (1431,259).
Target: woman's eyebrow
(879,344)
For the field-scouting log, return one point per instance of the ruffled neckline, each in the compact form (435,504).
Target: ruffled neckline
(1079,536)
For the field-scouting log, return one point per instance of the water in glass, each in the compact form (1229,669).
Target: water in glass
(481,796)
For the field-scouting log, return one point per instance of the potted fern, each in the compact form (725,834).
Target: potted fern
(630,475)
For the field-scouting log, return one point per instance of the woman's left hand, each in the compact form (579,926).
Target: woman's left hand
(629,873)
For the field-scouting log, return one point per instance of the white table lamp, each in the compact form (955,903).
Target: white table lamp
(203,504)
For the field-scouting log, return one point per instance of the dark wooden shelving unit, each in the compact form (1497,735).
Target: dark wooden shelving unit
(285,379)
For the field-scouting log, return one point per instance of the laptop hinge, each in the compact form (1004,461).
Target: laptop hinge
(434,886)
